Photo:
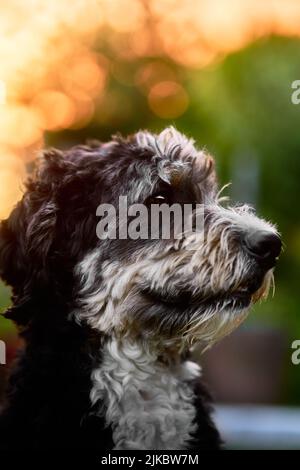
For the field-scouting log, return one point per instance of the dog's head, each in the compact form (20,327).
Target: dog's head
(197,286)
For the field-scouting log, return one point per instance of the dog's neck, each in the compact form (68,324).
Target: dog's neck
(148,403)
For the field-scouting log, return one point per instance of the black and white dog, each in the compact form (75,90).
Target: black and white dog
(108,323)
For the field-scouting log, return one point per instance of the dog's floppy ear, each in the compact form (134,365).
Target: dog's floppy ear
(27,234)
(12,249)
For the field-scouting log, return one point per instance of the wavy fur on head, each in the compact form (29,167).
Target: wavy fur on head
(108,324)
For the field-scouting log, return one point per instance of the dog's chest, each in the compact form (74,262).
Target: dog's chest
(148,406)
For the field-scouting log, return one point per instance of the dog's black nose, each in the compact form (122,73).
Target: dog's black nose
(264,246)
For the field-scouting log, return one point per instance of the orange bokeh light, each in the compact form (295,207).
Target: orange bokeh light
(55,109)
(11,175)
(19,126)
(168,100)
(51,77)
(83,74)
(152,73)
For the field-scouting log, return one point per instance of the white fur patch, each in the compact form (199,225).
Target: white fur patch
(148,404)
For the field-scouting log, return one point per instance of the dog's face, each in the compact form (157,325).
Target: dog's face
(195,287)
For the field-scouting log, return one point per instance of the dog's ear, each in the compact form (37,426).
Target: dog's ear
(12,249)
(26,236)
(51,226)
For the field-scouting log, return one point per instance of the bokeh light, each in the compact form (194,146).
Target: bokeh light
(55,68)
(168,99)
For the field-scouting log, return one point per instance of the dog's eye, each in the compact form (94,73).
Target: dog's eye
(159,198)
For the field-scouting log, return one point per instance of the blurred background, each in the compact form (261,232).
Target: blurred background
(220,71)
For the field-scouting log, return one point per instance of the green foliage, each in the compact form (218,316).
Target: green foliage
(6,327)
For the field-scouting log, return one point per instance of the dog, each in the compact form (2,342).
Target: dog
(108,324)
